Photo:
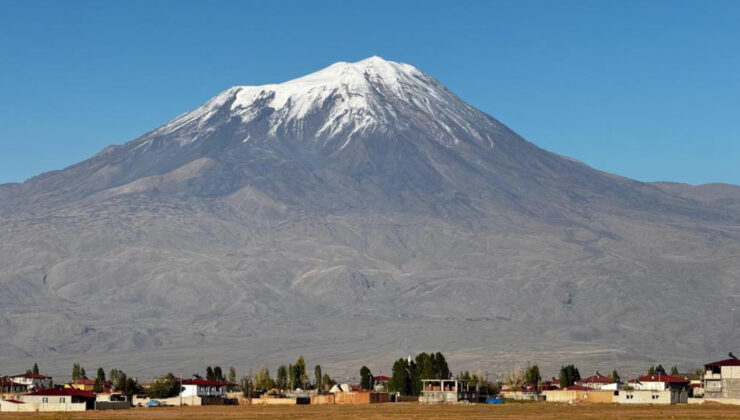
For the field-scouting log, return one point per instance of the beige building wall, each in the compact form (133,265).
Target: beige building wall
(8,407)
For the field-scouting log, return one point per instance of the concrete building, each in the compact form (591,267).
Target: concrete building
(645,396)
(53,399)
(722,380)
(446,391)
(31,380)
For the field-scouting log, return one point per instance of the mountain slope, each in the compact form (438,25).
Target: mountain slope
(360,212)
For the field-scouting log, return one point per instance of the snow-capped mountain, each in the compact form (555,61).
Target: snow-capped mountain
(362,211)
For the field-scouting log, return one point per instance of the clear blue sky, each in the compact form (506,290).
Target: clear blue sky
(645,89)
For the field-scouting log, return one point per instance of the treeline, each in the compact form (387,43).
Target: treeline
(293,376)
(407,374)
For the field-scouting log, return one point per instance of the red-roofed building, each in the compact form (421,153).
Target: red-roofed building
(197,387)
(9,388)
(52,399)
(722,379)
(659,382)
(380,383)
(31,380)
(598,381)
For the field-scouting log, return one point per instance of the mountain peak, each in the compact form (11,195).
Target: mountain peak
(342,101)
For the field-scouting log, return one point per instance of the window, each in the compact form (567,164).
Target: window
(44,400)
(62,400)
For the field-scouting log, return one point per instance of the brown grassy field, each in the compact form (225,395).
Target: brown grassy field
(407,411)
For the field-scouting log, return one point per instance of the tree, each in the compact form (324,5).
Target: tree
(282,377)
(532,376)
(328,381)
(100,375)
(35,369)
(300,373)
(659,370)
(247,386)
(615,376)
(569,375)
(125,384)
(98,385)
(167,387)
(75,371)
(318,378)
(114,375)
(400,377)
(674,370)
(440,366)
(262,379)
(83,374)
(514,380)
(366,378)
(218,374)
(209,374)
(651,370)
(232,375)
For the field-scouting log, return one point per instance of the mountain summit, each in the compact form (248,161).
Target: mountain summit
(361,210)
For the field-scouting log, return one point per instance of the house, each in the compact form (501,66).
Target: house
(651,396)
(84,384)
(52,399)
(197,387)
(659,382)
(446,391)
(31,380)
(599,382)
(10,389)
(550,385)
(380,383)
(722,380)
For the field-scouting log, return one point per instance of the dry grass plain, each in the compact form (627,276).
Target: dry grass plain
(406,411)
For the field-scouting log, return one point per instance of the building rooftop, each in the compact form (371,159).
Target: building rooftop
(62,392)
(726,362)
(660,378)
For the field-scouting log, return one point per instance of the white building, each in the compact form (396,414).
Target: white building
(599,382)
(203,388)
(31,380)
(659,382)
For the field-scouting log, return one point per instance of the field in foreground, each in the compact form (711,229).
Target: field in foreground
(408,411)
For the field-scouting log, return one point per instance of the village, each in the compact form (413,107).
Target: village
(424,379)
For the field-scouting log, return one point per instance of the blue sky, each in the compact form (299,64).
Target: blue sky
(645,89)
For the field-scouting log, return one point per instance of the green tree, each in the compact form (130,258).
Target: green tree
(35,369)
(262,379)
(167,387)
(113,376)
(328,381)
(232,375)
(532,376)
(651,370)
(282,377)
(218,374)
(569,375)
(83,374)
(400,377)
(100,375)
(210,376)
(659,370)
(615,376)
(75,371)
(301,375)
(98,385)
(440,366)
(366,378)
(674,370)
(319,378)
